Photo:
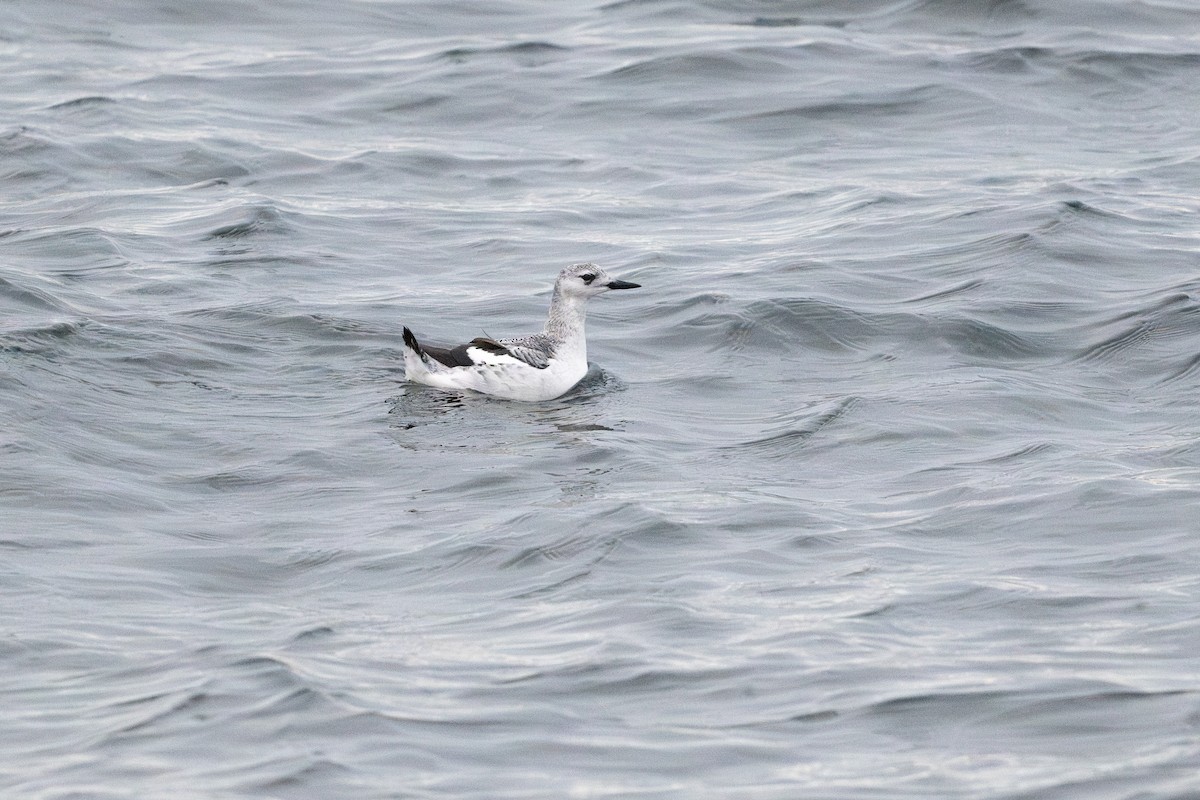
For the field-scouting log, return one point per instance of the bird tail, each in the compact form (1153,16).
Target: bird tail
(416,363)
(411,342)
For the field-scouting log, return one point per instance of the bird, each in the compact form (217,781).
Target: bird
(540,366)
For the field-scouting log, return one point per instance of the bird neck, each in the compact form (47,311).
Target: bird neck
(567,315)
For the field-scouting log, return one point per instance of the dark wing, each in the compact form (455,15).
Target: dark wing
(447,356)
(451,357)
(524,350)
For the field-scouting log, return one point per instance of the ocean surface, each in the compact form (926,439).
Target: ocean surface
(885,485)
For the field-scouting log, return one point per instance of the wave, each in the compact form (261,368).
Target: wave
(1163,325)
(793,327)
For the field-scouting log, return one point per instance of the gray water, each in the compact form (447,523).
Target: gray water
(885,485)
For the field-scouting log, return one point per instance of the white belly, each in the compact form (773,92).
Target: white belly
(506,377)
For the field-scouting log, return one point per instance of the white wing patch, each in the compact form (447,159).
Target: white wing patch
(490,351)
(532,357)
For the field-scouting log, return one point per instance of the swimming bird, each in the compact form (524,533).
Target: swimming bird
(541,366)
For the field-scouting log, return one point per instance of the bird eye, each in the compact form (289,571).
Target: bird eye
(587,278)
